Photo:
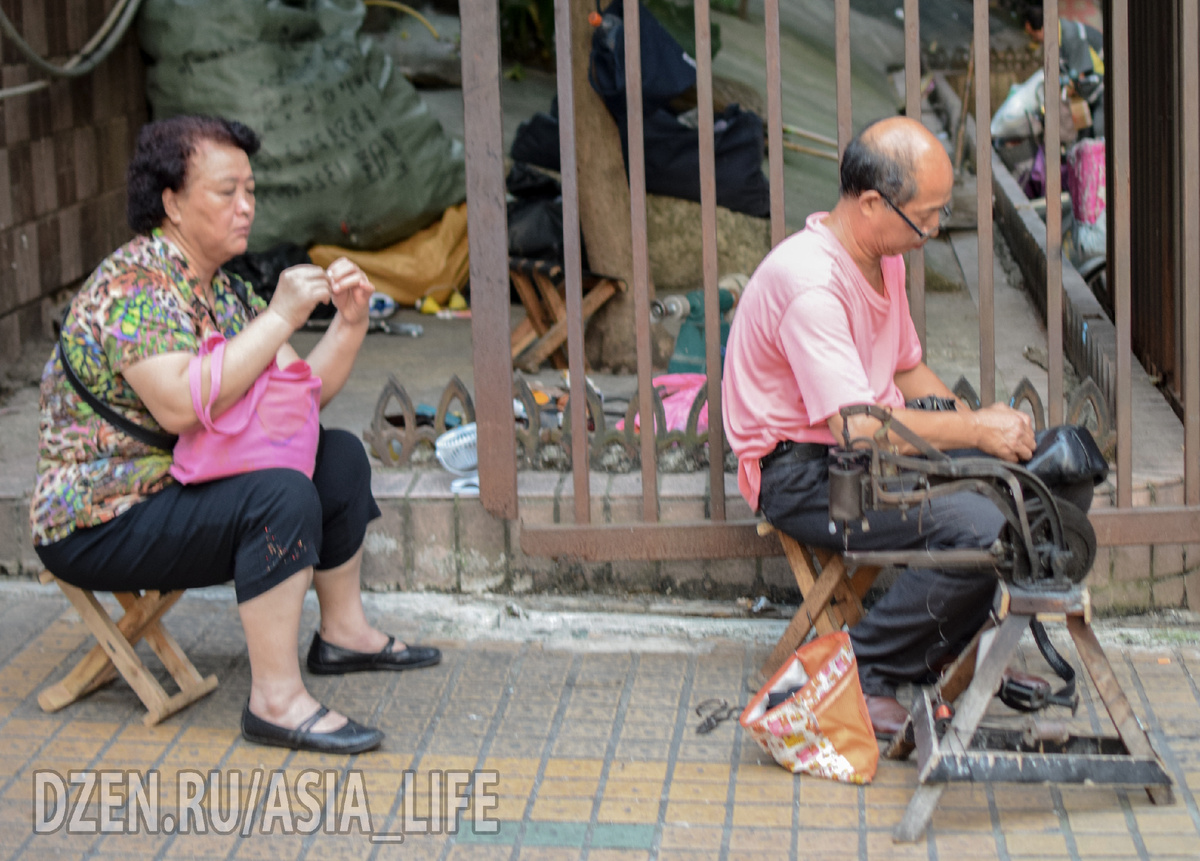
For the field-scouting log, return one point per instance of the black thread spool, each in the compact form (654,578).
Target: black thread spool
(846,492)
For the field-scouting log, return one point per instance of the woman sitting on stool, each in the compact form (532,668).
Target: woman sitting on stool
(106,514)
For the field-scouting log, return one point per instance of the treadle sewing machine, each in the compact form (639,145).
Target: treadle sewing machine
(1042,557)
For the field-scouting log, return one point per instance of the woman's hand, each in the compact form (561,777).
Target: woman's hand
(299,291)
(351,290)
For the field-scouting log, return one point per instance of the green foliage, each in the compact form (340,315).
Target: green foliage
(527,27)
(527,31)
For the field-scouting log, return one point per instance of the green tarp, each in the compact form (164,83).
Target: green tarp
(351,155)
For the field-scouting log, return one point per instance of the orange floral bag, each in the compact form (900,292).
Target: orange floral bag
(821,727)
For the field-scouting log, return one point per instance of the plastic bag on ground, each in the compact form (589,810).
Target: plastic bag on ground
(431,263)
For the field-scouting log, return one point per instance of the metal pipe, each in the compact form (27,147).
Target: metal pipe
(487,234)
(775,125)
(1120,200)
(641,256)
(983,186)
(1189,30)
(912,108)
(572,260)
(1054,286)
(708,233)
(841,26)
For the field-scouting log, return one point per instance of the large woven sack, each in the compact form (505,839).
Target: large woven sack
(351,155)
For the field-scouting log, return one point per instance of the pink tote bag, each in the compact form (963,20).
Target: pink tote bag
(276,424)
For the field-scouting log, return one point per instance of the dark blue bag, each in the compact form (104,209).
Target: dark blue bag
(667,70)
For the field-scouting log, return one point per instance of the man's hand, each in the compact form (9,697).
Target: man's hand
(299,291)
(351,290)
(1004,432)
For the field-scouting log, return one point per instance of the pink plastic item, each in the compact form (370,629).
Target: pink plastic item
(276,424)
(1086,178)
(680,392)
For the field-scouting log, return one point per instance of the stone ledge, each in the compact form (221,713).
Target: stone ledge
(429,539)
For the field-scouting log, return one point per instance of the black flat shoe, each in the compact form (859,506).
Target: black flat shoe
(326,659)
(351,738)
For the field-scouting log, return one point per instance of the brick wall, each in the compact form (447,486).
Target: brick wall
(63,154)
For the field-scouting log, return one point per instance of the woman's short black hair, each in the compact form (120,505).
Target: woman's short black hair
(870,164)
(160,161)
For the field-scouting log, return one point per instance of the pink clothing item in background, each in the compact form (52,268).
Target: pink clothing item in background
(1086,180)
(678,393)
(811,336)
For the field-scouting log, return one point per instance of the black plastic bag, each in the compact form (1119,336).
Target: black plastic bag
(667,70)
(673,159)
(536,141)
(261,270)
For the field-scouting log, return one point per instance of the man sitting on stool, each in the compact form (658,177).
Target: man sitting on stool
(824,323)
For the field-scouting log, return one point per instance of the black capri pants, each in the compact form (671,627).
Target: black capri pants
(257,529)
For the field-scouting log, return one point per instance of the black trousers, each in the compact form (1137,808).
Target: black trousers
(927,615)
(257,529)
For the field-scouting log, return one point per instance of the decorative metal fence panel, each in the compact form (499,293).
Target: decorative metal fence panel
(585,439)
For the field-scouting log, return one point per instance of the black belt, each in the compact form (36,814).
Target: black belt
(798,450)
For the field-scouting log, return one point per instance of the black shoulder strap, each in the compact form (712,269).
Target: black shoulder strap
(153,438)
(241,290)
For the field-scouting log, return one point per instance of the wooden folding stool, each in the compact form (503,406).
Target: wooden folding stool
(543,333)
(113,653)
(829,599)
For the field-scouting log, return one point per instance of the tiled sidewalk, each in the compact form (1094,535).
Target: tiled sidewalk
(583,752)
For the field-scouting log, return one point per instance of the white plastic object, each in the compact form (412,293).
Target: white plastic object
(1021,113)
(456,450)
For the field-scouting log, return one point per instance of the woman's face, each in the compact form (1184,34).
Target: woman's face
(214,210)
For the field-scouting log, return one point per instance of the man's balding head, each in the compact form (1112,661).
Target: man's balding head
(889,156)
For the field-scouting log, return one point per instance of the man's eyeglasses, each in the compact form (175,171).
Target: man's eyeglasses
(943,215)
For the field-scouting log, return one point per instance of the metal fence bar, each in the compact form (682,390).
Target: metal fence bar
(487,232)
(841,26)
(708,233)
(572,260)
(775,122)
(1054,286)
(1120,198)
(1141,526)
(641,255)
(912,108)
(983,187)
(1189,28)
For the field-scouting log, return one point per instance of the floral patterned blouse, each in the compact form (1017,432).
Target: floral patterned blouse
(141,301)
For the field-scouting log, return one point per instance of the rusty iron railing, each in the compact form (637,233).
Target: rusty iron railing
(717,536)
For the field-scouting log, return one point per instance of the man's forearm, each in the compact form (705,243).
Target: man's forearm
(919,381)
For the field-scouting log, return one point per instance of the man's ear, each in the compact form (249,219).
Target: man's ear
(869,202)
(170,202)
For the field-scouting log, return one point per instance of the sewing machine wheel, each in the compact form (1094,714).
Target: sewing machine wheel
(1078,535)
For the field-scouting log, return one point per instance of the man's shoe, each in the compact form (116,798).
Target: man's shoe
(1026,680)
(1024,692)
(326,659)
(887,715)
(348,739)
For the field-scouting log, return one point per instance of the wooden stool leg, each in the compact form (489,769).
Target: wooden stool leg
(1092,656)
(114,652)
(812,612)
(970,709)
(96,668)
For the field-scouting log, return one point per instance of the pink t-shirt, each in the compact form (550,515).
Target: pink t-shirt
(809,337)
